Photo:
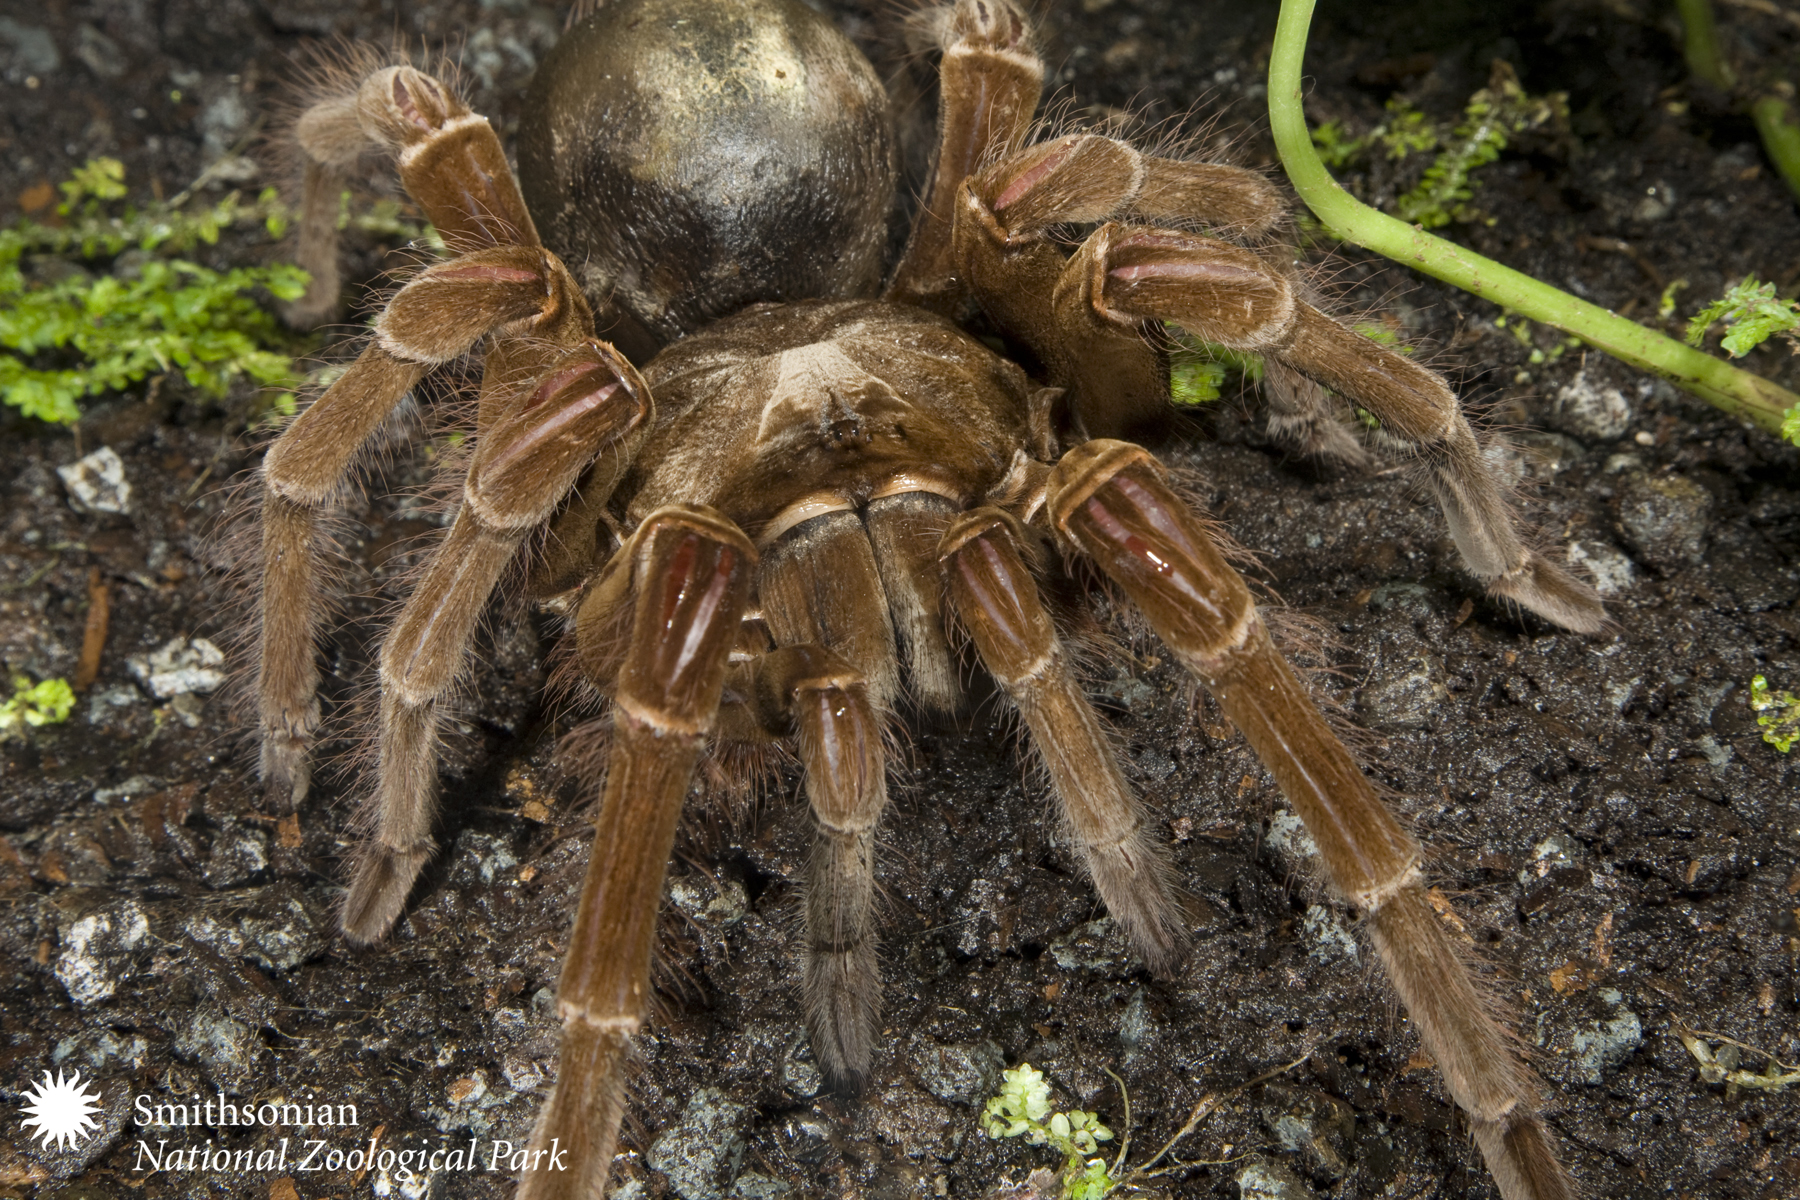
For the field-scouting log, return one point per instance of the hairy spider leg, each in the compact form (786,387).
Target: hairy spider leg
(1226,294)
(1109,298)
(820,586)
(685,577)
(556,408)
(994,598)
(821,700)
(583,417)
(1108,499)
(449,159)
(990,79)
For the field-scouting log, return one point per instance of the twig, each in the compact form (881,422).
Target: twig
(93,637)
(1125,1135)
(1681,1030)
(1209,1104)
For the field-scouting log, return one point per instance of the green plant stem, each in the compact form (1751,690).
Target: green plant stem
(1700,43)
(1717,382)
(1774,117)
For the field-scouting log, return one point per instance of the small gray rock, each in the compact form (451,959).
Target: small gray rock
(702,1153)
(225,1048)
(1604,1044)
(97,483)
(1096,946)
(754,1186)
(1312,1123)
(1664,518)
(97,948)
(1592,409)
(1612,571)
(1271,1181)
(239,853)
(963,1074)
(282,932)
(178,667)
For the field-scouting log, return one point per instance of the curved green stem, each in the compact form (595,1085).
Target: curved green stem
(1774,117)
(1700,43)
(1713,380)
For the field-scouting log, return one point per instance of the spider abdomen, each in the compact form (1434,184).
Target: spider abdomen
(686,159)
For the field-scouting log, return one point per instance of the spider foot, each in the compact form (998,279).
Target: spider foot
(1552,593)
(384,877)
(843,1002)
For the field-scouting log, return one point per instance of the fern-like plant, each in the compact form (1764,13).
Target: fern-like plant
(68,331)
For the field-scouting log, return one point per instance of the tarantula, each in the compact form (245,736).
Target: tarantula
(782,493)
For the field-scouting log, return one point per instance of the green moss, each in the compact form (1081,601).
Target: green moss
(46,703)
(1022,1109)
(1494,114)
(1779,714)
(1752,314)
(96,301)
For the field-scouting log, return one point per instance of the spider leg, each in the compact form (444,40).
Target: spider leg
(990,79)
(1303,415)
(994,597)
(589,403)
(1226,294)
(809,693)
(436,317)
(450,161)
(691,572)
(1108,299)
(1109,500)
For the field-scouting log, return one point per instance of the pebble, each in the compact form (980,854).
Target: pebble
(1326,936)
(239,853)
(702,1153)
(97,483)
(1311,1123)
(1611,570)
(1604,1044)
(1095,946)
(224,1047)
(1271,1181)
(179,667)
(961,1073)
(1592,409)
(97,947)
(1664,518)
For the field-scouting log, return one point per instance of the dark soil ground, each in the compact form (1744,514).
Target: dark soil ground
(1616,837)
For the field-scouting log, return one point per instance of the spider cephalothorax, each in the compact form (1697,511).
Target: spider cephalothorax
(782,492)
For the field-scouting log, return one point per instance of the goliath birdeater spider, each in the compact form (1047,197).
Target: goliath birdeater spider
(783,491)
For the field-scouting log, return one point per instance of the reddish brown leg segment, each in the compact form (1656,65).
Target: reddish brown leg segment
(991,78)
(692,571)
(1109,499)
(996,600)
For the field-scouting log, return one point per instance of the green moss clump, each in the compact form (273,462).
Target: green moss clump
(1494,114)
(1022,1109)
(1779,714)
(67,332)
(46,703)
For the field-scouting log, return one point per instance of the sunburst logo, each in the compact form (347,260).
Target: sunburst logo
(62,1110)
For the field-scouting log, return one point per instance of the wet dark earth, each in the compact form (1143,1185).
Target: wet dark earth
(1607,828)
